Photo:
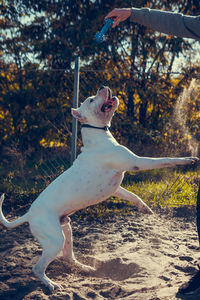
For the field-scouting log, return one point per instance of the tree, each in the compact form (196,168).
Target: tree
(40,41)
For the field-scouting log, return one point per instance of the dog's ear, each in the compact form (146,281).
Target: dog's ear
(77,115)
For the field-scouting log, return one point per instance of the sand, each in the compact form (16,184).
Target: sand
(136,256)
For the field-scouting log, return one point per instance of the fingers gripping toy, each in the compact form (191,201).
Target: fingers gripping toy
(100,36)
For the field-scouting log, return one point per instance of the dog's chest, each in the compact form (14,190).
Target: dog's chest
(82,187)
(97,181)
(103,184)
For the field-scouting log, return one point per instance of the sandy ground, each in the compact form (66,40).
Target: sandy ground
(136,257)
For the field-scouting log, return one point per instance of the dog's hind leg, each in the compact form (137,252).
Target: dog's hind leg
(129,196)
(68,253)
(50,235)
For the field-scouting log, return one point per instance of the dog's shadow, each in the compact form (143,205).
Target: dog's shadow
(116,269)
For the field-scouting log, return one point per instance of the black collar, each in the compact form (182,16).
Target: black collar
(106,128)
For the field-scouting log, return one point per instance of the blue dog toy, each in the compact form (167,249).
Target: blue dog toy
(100,36)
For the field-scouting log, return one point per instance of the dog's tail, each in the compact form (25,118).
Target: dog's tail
(12,224)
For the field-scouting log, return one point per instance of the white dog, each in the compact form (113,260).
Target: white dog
(95,175)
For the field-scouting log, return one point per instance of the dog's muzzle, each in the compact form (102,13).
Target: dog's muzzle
(107,106)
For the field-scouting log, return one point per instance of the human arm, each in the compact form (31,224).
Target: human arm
(167,22)
(162,21)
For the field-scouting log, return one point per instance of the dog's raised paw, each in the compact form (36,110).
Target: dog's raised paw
(192,160)
(144,208)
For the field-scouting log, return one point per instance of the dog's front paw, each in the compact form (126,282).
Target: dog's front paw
(145,209)
(194,159)
(191,160)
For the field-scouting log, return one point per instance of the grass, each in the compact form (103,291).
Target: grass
(157,188)
(172,189)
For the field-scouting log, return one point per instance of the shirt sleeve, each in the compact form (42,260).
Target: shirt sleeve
(168,22)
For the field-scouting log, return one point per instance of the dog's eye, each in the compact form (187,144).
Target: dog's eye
(91,100)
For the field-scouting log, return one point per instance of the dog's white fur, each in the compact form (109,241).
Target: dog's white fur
(95,175)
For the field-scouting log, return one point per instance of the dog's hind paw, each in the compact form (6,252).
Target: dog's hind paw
(53,286)
(76,264)
(85,268)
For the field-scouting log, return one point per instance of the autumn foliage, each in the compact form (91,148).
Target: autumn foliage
(39,42)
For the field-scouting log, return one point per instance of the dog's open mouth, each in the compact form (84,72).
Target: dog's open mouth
(107,106)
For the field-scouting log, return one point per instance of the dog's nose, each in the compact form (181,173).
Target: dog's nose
(101,88)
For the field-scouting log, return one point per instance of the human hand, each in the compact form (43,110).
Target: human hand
(119,15)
